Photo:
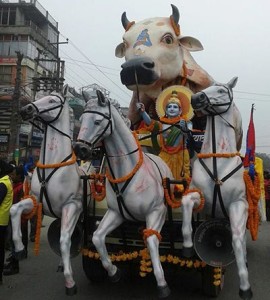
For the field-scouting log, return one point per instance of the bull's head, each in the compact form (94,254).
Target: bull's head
(157,56)
(154,52)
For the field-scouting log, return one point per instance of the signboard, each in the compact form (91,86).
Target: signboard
(4,138)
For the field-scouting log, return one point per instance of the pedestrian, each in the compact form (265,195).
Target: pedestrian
(6,198)
(12,267)
(267,193)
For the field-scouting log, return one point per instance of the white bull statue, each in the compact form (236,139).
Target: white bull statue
(157,56)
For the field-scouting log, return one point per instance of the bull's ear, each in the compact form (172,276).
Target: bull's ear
(190,43)
(120,50)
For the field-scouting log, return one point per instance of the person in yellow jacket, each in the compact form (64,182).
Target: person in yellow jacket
(174,111)
(6,198)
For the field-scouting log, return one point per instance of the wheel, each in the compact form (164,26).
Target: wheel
(93,269)
(208,288)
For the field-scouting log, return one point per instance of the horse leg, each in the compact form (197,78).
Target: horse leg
(70,216)
(188,203)
(109,222)
(238,217)
(16,211)
(155,221)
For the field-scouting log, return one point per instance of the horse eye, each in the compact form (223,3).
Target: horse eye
(52,101)
(97,122)
(220,91)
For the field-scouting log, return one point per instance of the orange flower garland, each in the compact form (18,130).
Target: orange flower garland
(253,191)
(136,168)
(225,155)
(170,199)
(145,261)
(38,229)
(148,232)
(174,120)
(201,205)
(98,182)
(58,165)
(34,209)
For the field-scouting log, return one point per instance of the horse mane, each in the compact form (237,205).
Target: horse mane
(116,104)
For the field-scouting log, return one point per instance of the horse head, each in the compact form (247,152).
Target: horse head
(47,109)
(96,124)
(214,100)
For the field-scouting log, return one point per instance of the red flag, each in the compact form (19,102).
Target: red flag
(250,148)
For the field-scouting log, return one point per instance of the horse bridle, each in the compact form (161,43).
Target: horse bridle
(109,124)
(214,175)
(229,103)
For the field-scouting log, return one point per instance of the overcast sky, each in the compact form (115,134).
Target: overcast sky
(235,35)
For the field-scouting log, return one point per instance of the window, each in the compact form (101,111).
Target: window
(7,16)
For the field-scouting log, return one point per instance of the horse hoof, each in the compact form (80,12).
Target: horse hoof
(71,291)
(188,252)
(246,295)
(21,254)
(116,277)
(163,291)
(60,269)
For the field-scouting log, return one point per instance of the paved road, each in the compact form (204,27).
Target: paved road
(38,279)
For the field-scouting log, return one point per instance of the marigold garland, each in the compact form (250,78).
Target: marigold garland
(135,169)
(174,120)
(38,229)
(145,261)
(58,165)
(29,215)
(201,205)
(225,155)
(170,199)
(148,232)
(97,181)
(217,276)
(253,192)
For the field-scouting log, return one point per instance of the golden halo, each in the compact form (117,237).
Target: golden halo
(184,95)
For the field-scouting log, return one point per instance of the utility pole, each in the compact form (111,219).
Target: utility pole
(14,137)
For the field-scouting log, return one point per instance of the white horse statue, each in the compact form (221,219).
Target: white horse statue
(218,173)
(134,189)
(56,179)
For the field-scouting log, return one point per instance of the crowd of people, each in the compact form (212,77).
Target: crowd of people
(11,192)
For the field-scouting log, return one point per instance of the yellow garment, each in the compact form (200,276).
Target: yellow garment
(7,202)
(259,171)
(179,163)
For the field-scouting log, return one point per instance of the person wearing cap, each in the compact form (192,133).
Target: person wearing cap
(6,198)
(174,125)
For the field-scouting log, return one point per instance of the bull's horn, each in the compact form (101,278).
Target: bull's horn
(125,22)
(175,19)
(175,14)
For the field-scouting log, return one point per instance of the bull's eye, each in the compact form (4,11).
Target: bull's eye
(167,39)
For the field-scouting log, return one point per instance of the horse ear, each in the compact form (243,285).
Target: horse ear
(101,98)
(85,96)
(65,90)
(232,82)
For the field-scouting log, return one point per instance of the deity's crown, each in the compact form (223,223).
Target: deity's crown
(174,98)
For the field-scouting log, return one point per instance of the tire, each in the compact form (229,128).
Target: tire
(93,269)
(208,288)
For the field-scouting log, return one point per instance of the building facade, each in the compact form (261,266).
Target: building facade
(26,29)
